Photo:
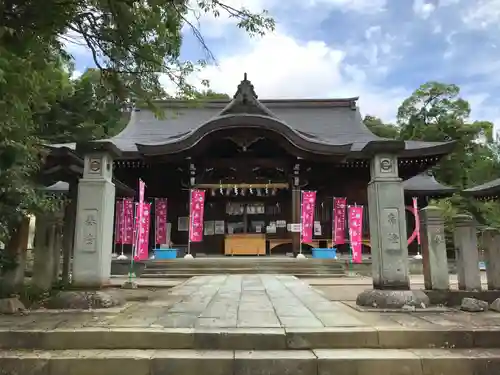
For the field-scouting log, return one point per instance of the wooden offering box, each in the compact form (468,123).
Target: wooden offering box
(245,244)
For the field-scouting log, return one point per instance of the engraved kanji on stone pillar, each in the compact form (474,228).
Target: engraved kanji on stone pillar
(491,239)
(436,274)
(466,254)
(389,247)
(94,218)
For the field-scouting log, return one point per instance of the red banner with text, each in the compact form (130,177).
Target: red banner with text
(196,212)
(119,221)
(417,219)
(160,221)
(128,221)
(124,229)
(142,230)
(307,216)
(355,214)
(339,205)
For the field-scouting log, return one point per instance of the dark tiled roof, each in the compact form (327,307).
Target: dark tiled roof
(319,125)
(426,184)
(58,187)
(488,189)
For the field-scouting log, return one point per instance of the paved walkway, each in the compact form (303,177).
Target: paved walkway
(244,301)
(264,301)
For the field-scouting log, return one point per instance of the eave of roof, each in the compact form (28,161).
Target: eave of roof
(425,184)
(488,189)
(317,126)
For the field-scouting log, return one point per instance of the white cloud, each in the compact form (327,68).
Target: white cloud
(423,8)
(281,67)
(482,13)
(212,26)
(360,6)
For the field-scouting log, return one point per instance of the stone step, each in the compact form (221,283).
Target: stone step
(249,338)
(296,362)
(237,263)
(172,275)
(216,271)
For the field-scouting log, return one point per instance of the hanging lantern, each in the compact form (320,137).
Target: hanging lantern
(250,190)
(235,190)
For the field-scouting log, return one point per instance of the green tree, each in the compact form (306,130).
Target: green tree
(435,112)
(210,94)
(381,129)
(131,42)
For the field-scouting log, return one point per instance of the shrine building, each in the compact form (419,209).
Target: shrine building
(253,158)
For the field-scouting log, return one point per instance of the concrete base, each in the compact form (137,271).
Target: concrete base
(188,256)
(392,299)
(129,285)
(301,256)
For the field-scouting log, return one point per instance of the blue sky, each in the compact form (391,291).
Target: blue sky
(379,50)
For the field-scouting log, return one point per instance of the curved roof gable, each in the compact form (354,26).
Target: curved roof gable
(323,126)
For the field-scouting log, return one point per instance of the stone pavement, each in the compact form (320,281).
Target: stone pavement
(248,325)
(245,302)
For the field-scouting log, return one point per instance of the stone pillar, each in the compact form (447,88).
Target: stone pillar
(43,264)
(389,248)
(436,275)
(13,278)
(94,222)
(491,238)
(56,250)
(466,253)
(68,239)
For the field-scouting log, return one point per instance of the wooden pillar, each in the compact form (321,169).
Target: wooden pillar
(296,207)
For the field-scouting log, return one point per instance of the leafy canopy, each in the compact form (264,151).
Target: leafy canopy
(131,42)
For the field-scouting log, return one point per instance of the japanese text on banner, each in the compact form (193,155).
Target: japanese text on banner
(307,213)
(355,214)
(339,205)
(128,221)
(119,221)
(196,213)
(160,221)
(142,228)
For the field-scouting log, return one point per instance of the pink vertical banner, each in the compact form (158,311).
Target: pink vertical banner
(196,212)
(128,221)
(119,221)
(355,214)
(339,205)
(142,251)
(139,218)
(417,218)
(160,221)
(307,216)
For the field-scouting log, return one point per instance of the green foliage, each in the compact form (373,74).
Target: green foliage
(377,127)
(132,43)
(436,112)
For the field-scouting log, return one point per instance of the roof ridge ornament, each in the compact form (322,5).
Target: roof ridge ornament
(245,91)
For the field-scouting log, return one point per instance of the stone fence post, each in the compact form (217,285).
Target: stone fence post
(491,238)
(467,257)
(435,262)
